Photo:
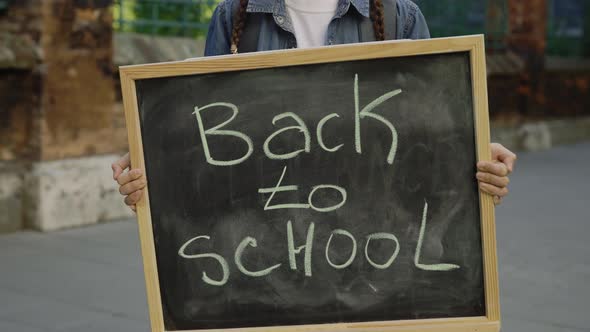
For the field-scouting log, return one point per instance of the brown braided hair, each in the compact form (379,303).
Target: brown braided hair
(377,18)
(240,21)
(238,26)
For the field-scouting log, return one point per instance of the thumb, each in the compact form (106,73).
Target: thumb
(116,170)
(120,165)
(503,155)
(508,160)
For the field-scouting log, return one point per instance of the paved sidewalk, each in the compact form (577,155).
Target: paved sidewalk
(91,279)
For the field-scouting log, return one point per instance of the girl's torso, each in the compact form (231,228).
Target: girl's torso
(276,30)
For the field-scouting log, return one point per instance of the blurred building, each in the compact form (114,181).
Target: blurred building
(61,118)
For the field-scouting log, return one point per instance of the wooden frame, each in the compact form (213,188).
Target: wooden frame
(472,44)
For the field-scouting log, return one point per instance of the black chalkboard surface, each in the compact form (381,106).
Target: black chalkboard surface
(334,192)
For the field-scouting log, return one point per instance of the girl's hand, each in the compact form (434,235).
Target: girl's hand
(131,183)
(493,175)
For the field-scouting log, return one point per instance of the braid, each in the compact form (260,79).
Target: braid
(238,26)
(377,18)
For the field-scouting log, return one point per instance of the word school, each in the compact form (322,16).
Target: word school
(293,251)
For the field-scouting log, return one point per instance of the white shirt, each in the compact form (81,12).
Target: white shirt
(310,20)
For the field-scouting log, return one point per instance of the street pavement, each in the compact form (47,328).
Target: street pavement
(91,279)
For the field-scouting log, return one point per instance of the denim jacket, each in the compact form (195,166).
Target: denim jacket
(276,31)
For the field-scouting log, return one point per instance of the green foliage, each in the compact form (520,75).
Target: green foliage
(191,18)
(568,29)
(4,4)
(164,17)
(454,18)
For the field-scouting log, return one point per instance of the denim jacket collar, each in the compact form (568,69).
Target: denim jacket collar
(277,7)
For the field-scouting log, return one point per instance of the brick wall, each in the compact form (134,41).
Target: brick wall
(527,36)
(20,56)
(528,25)
(60,123)
(78,109)
(57,94)
(567,93)
(19,100)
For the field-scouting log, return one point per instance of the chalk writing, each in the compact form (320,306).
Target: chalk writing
(308,246)
(366,112)
(293,251)
(352,253)
(382,236)
(250,241)
(428,267)
(279,188)
(341,190)
(216,131)
(218,258)
(320,129)
(300,127)
(359,114)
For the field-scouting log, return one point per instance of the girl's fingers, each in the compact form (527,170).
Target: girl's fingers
(130,176)
(133,199)
(496,168)
(120,165)
(498,181)
(500,153)
(509,162)
(493,190)
(132,187)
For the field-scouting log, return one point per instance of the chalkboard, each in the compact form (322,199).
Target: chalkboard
(315,193)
